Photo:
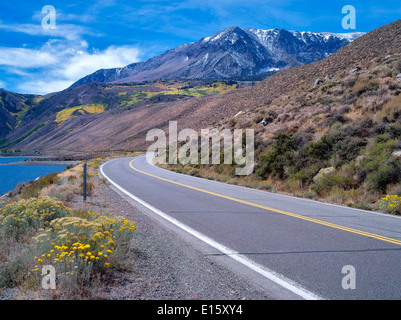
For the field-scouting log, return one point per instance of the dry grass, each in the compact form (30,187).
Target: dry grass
(391,110)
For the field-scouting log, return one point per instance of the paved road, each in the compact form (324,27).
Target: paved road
(296,247)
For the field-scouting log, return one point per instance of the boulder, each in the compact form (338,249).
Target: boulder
(355,70)
(318,82)
(324,173)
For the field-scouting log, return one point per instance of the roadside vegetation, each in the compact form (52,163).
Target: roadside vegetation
(41,225)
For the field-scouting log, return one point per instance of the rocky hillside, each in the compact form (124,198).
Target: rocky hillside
(230,53)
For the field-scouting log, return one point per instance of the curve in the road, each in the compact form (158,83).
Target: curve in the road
(278,236)
(269,274)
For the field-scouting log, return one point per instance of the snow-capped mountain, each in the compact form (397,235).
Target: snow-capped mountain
(230,53)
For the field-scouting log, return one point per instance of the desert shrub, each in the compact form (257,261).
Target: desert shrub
(2,204)
(322,149)
(80,247)
(326,183)
(395,189)
(393,86)
(391,110)
(391,204)
(380,152)
(325,100)
(394,131)
(326,88)
(305,175)
(379,165)
(352,82)
(232,122)
(35,187)
(26,215)
(379,128)
(95,163)
(387,173)
(364,85)
(310,195)
(90,186)
(265,185)
(273,162)
(257,119)
(348,149)
(295,154)
(12,274)
(301,139)
(194,173)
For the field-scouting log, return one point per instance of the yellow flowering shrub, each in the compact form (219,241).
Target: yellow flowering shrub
(76,246)
(19,217)
(391,204)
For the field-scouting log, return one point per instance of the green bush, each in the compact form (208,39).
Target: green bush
(325,184)
(348,149)
(305,176)
(380,152)
(12,274)
(322,149)
(273,162)
(394,131)
(387,173)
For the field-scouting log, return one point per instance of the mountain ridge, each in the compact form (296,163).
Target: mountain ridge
(230,53)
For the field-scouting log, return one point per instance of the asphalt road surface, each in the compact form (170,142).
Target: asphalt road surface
(293,248)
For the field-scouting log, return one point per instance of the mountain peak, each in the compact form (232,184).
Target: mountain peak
(230,53)
(223,33)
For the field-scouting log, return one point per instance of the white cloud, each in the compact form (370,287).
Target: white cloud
(59,63)
(42,86)
(84,63)
(25,58)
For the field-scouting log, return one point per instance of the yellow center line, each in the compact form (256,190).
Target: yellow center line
(294,215)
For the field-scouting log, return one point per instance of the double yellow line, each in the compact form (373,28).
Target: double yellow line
(294,215)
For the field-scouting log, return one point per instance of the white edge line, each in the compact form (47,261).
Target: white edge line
(269,274)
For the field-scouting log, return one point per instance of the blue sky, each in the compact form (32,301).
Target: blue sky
(90,35)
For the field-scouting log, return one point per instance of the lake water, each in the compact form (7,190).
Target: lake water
(11,175)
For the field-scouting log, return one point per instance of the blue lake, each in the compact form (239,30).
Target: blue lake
(11,175)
